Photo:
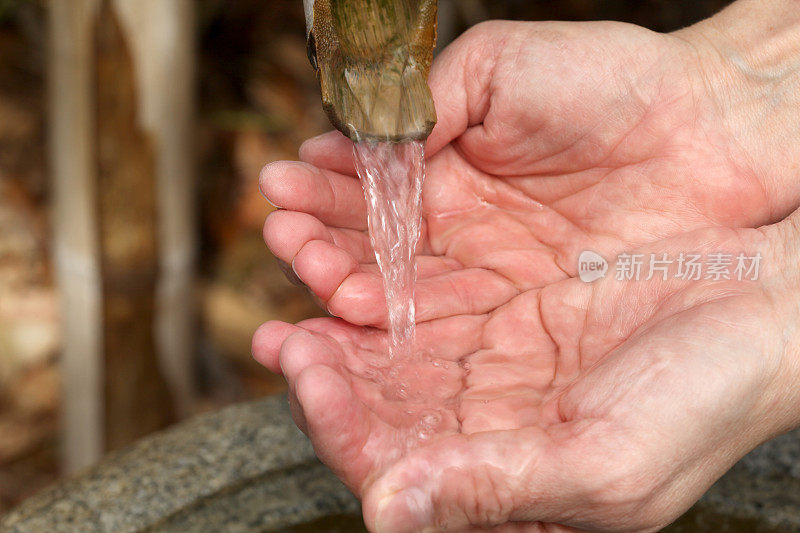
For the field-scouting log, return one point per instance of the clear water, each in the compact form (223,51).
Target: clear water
(392,176)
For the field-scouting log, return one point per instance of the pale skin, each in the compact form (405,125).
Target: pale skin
(605,406)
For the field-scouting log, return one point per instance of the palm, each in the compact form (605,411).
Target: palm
(524,381)
(508,206)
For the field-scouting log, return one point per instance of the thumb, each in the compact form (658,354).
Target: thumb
(461,81)
(482,480)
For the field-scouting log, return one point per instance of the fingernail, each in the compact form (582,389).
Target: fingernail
(316,138)
(270,202)
(262,179)
(405,511)
(291,275)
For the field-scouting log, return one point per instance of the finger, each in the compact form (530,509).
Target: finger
(323,266)
(448,339)
(363,358)
(333,198)
(285,233)
(332,151)
(359,299)
(427,266)
(338,424)
(303,348)
(485,480)
(267,342)
(270,336)
(296,411)
(355,242)
(451,338)
(337,329)
(471,291)
(300,350)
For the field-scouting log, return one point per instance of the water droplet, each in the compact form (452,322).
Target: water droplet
(398,391)
(428,424)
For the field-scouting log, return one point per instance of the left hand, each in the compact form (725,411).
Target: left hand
(605,406)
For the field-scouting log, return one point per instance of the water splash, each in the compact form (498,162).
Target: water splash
(392,176)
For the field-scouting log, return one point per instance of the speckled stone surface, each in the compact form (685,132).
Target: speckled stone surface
(761,493)
(247,469)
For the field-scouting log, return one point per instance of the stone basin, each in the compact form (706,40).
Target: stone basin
(248,469)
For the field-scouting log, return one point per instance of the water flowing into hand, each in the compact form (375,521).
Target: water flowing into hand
(392,176)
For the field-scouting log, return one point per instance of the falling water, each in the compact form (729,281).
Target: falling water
(392,175)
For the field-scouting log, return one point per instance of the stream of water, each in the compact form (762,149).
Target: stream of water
(392,176)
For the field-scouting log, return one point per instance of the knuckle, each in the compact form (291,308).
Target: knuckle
(479,497)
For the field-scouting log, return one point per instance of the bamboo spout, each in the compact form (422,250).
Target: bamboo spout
(372,59)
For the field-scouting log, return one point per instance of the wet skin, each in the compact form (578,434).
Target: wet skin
(603,406)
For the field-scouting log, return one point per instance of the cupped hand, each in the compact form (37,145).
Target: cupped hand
(606,406)
(546,400)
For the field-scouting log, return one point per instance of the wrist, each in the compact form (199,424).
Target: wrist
(792,297)
(781,284)
(749,59)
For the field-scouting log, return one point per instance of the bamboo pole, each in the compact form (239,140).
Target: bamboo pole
(161,38)
(121,104)
(75,235)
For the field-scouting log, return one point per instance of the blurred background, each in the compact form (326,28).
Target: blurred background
(132,268)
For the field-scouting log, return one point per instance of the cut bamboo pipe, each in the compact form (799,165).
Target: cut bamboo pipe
(372,59)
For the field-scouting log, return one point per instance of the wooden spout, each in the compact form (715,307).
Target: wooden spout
(372,59)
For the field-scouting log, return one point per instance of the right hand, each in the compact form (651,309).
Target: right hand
(553,138)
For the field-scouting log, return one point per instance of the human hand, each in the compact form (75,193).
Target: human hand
(608,407)
(553,138)
(513,193)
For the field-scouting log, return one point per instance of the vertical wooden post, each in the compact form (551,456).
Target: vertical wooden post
(136,398)
(74,224)
(121,100)
(162,42)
